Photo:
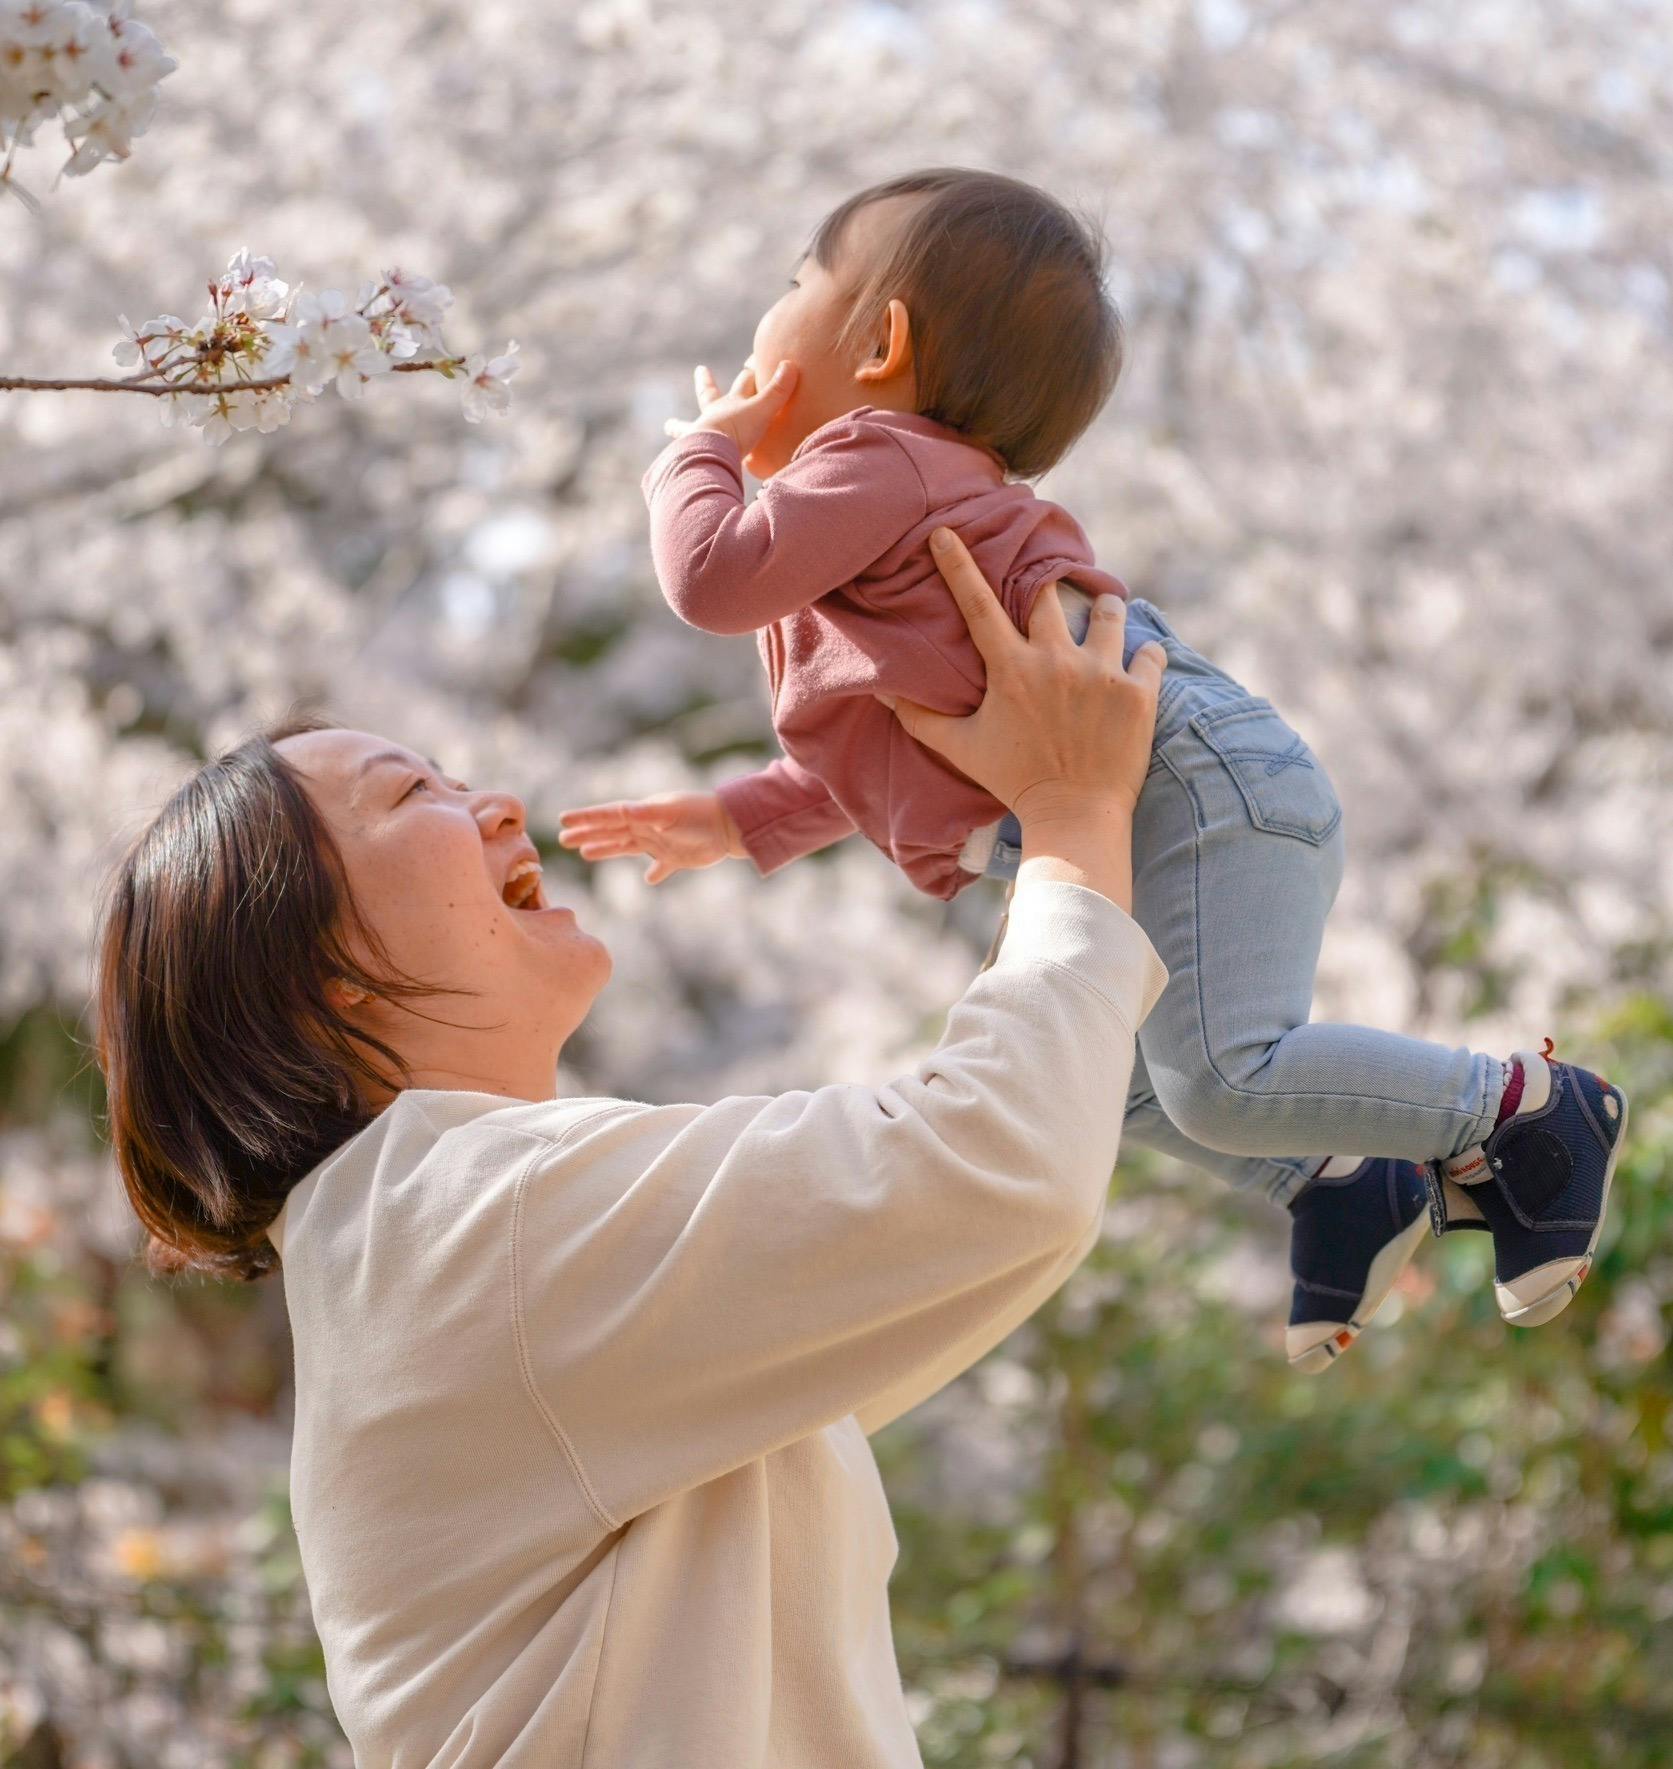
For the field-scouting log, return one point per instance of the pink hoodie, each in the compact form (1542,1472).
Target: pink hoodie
(830,568)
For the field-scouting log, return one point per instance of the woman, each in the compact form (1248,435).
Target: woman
(579,1473)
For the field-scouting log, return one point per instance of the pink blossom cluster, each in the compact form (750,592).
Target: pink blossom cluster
(258,330)
(94,68)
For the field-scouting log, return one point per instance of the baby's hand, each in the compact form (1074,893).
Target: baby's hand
(680,831)
(742,412)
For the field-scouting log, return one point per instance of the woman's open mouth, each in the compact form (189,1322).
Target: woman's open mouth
(524,888)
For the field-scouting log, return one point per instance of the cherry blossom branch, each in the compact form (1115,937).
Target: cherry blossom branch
(167,389)
(260,350)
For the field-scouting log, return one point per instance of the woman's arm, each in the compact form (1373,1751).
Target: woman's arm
(699,1286)
(696,1287)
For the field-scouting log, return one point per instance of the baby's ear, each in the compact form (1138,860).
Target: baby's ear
(891,354)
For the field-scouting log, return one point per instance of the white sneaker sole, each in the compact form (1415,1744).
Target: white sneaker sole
(1316,1345)
(1542,1294)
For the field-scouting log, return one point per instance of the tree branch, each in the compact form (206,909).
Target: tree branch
(165,389)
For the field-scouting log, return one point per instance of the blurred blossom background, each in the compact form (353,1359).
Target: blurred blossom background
(1393,447)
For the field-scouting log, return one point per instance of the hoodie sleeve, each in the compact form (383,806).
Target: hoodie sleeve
(699,1286)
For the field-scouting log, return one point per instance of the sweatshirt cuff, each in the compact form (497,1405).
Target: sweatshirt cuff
(1081,930)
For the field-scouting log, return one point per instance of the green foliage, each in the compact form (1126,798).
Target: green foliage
(1456,1546)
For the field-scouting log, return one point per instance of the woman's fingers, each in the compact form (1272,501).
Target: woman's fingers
(938,730)
(1046,619)
(1106,635)
(1149,664)
(989,624)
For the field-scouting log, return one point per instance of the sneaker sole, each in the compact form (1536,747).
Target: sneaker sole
(1316,1345)
(1561,1279)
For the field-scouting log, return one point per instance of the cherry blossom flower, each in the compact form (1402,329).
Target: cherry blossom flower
(485,384)
(95,69)
(252,282)
(151,341)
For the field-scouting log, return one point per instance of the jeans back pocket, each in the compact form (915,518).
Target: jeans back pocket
(1283,787)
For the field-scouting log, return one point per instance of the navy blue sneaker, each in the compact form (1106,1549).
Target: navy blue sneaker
(1540,1183)
(1350,1238)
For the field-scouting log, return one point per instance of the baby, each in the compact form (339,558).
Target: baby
(947,336)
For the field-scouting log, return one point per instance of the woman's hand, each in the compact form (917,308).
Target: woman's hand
(744,412)
(1061,722)
(1063,733)
(680,831)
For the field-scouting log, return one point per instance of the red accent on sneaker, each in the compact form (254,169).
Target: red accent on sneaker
(1549,1051)
(1344,1340)
(1513,1093)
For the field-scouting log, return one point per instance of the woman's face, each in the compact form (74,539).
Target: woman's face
(428,859)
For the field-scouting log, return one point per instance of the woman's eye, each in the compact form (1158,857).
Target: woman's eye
(420,781)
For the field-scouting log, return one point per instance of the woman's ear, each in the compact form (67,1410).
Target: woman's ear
(342,994)
(892,355)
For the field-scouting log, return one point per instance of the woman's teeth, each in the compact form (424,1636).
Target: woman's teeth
(523,886)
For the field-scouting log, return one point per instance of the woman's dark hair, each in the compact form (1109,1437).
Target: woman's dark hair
(1016,341)
(229,1075)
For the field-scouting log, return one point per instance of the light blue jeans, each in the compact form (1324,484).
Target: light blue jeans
(1237,856)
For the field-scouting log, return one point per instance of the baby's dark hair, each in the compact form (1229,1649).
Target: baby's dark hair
(1016,341)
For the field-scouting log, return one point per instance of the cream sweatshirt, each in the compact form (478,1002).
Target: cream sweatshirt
(580,1474)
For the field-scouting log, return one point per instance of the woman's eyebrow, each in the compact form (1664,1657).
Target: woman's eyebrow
(394,755)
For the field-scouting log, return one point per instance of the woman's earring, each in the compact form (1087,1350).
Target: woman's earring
(353,998)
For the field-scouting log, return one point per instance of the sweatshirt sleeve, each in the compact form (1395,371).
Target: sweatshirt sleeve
(728,566)
(783,812)
(700,1286)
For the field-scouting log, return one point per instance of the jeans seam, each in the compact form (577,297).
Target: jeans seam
(1214,1069)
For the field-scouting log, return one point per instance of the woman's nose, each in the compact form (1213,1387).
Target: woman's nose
(497,809)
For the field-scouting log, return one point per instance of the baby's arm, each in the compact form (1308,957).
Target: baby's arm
(781,813)
(772,817)
(731,567)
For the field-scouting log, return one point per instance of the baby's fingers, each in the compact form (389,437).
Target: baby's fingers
(708,388)
(606,847)
(585,818)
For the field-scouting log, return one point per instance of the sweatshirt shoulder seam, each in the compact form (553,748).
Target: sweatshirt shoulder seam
(525,1363)
(917,471)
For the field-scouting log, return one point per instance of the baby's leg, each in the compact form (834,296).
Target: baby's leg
(1238,854)
(1351,1234)
(1146,1123)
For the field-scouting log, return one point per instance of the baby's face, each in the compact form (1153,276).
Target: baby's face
(804,325)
